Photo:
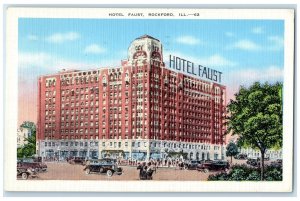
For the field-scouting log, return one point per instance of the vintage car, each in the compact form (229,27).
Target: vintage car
(25,172)
(77,160)
(213,166)
(241,157)
(277,163)
(108,166)
(32,163)
(253,162)
(191,165)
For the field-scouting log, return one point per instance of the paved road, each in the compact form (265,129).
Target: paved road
(65,171)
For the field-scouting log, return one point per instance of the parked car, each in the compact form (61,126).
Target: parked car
(77,160)
(253,162)
(241,156)
(191,165)
(266,158)
(213,166)
(32,163)
(108,166)
(25,172)
(277,163)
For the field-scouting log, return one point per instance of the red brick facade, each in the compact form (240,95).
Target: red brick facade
(141,99)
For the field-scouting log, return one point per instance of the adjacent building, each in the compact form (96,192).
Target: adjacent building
(139,110)
(22,134)
(272,154)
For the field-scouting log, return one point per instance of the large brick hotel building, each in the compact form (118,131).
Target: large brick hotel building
(140,110)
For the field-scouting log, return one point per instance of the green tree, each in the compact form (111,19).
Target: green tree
(256,117)
(30,125)
(29,147)
(231,150)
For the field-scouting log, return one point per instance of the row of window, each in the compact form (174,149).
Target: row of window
(82,97)
(79,124)
(81,136)
(82,90)
(82,110)
(50,93)
(50,106)
(81,131)
(50,82)
(81,144)
(81,104)
(77,117)
(79,80)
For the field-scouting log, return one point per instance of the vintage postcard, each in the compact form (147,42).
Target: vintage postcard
(149,100)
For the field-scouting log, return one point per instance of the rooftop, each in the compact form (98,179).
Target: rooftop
(147,36)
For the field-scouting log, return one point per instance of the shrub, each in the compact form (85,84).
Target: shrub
(237,174)
(273,173)
(245,173)
(253,176)
(218,177)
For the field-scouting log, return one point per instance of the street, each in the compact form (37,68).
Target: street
(66,171)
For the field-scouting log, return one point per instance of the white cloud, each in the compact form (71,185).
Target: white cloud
(258,30)
(276,43)
(62,37)
(249,75)
(188,40)
(32,37)
(44,61)
(229,34)
(245,45)
(94,49)
(33,62)
(33,59)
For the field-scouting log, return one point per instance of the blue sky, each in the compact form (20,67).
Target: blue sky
(244,50)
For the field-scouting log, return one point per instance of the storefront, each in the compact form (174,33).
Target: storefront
(139,155)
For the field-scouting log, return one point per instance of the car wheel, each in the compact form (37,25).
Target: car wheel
(101,170)
(24,175)
(109,173)
(87,171)
(205,170)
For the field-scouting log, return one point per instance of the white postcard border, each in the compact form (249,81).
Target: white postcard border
(11,103)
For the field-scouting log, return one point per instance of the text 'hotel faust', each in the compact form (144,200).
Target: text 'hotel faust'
(138,111)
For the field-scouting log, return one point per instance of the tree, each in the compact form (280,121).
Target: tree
(29,148)
(231,150)
(30,125)
(256,117)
